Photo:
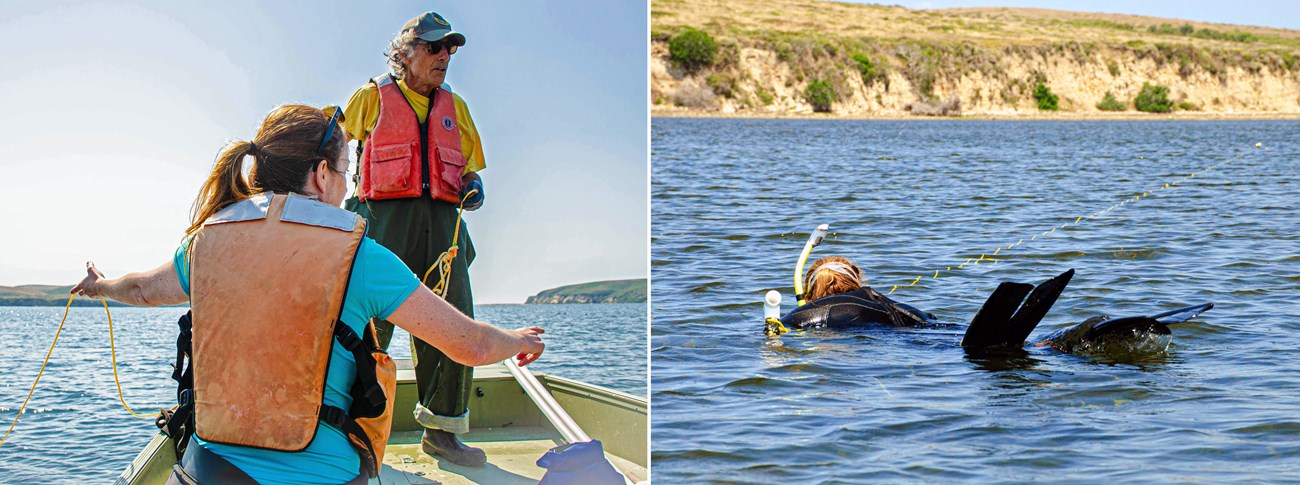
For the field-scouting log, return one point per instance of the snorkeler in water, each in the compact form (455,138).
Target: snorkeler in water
(838,297)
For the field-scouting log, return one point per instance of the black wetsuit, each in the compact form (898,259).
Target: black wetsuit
(860,307)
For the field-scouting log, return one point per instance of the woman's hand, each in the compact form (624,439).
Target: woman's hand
(90,285)
(533,345)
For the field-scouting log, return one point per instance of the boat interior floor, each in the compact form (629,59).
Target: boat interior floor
(512,454)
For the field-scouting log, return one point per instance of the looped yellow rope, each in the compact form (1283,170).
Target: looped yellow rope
(113,348)
(113,351)
(443,264)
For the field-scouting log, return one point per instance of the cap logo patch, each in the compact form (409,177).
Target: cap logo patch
(448,124)
(440,21)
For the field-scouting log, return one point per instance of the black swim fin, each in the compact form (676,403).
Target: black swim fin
(1182,314)
(1035,308)
(986,328)
(1004,322)
(1157,324)
(1095,329)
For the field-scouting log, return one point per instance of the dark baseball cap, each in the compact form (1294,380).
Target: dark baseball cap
(431,27)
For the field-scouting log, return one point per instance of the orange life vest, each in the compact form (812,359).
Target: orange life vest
(404,158)
(268,276)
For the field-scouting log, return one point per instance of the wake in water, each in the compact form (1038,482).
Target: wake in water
(1135,344)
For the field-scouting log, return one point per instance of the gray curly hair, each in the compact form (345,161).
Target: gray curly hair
(401,46)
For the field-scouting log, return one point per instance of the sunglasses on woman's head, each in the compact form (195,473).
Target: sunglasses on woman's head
(336,114)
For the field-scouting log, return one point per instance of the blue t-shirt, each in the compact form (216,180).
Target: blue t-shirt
(380,283)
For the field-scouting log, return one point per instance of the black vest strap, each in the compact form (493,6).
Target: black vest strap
(339,418)
(178,423)
(368,398)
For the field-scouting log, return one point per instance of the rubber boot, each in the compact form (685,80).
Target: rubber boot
(447,446)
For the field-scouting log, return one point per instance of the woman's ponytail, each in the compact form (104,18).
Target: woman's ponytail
(225,185)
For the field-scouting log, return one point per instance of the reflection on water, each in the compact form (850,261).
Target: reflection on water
(733,202)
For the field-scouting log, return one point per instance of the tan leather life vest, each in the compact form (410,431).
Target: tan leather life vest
(403,158)
(268,276)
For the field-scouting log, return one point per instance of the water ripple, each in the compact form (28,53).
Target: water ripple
(905,199)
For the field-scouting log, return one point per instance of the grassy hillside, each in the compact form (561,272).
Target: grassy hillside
(617,291)
(43,295)
(784,56)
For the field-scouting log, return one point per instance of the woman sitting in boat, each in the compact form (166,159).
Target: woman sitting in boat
(288,385)
(838,297)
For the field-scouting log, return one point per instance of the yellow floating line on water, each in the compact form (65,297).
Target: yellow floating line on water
(1078,220)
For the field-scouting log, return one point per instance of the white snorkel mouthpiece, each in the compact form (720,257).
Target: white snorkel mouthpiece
(772,305)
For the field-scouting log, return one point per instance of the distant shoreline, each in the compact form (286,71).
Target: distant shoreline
(1058,116)
(113,304)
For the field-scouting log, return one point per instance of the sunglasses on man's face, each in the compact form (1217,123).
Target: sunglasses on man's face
(435,48)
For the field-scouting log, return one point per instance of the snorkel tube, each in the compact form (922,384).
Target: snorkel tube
(813,240)
(772,326)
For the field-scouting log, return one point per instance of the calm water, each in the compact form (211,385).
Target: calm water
(734,201)
(76,431)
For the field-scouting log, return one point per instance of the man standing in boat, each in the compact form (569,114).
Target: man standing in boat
(420,155)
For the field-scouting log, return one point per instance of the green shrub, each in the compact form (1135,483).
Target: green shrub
(1188,30)
(820,94)
(1153,98)
(692,49)
(1113,67)
(765,97)
(1046,100)
(866,68)
(722,84)
(1109,103)
(1188,106)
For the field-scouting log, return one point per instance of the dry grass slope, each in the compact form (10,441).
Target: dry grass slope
(984,61)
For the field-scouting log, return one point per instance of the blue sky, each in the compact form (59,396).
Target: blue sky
(114,112)
(1275,13)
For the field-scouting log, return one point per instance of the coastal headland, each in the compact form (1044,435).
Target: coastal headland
(816,59)
(614,291)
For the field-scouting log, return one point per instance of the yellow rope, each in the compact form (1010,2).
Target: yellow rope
(443,264)
(113,349)
(38,374)
(1077,221)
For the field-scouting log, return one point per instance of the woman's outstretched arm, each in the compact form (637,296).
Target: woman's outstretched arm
(158,286)
(464,340)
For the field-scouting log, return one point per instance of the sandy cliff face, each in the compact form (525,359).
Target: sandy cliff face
(982,62)
(1079,82)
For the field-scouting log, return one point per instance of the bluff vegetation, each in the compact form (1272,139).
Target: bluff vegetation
(777,57)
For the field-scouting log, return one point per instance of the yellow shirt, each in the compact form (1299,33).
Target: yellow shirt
(362,113)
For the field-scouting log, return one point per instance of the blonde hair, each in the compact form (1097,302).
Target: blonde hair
(831,275)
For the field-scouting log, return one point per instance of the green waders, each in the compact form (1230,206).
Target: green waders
(417,230)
